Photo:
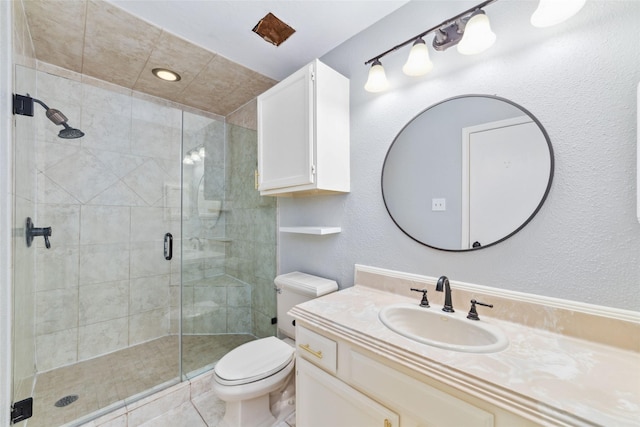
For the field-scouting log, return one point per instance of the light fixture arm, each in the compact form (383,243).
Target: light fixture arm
(443,24)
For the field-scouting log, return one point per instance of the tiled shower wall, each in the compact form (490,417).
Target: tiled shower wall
(212,302)
(252,222)
(110,198)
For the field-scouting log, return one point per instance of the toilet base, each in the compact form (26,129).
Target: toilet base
(251,412)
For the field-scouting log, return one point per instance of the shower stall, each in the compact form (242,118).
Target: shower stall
(162,254)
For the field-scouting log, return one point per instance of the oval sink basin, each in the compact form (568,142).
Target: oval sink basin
(451,331)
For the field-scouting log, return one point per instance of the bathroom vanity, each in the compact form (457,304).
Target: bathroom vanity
(561,367)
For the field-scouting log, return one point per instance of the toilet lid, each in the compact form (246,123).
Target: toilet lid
(254,361)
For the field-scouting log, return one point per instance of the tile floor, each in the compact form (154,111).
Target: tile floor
(191,403)
(121,375)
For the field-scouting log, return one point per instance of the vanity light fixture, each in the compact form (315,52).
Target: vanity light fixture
(552,12)
(418,63)
(167,75)
(377,81)
(478,36)
(470,31)
(448,33)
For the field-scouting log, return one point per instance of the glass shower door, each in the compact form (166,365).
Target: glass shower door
(228,244)
(97,303)
(216,307)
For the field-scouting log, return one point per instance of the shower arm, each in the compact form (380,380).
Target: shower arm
(40,102)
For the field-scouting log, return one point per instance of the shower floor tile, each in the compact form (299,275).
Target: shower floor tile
(108,379)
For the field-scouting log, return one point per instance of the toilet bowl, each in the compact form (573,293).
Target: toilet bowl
(248,376)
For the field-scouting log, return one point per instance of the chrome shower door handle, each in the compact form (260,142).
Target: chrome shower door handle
(168,246)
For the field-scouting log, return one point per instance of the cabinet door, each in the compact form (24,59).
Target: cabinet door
(415,400)
(322,400)
(285,132)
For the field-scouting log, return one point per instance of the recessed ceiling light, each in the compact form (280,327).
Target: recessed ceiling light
(164,74)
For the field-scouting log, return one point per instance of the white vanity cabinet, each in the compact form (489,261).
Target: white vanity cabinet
(322,399)
(351,387)
(303,134)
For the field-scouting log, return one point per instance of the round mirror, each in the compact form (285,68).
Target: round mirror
(467,173)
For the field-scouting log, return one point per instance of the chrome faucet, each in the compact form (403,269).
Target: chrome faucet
(443,281)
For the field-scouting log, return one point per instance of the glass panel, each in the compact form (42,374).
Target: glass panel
(98,314)
(24,257)
(228,245)
(251,227)
(103,291)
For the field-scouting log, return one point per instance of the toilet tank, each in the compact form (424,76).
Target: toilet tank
(296,288)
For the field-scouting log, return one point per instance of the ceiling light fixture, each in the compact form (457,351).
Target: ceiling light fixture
(469,30)
(167,75)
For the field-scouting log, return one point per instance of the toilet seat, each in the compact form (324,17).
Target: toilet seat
(253,361)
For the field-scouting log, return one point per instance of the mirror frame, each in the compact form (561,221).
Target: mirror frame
(535,211)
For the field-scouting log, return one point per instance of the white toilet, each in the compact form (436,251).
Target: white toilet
(247,376)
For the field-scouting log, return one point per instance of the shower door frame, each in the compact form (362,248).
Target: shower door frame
(6,210)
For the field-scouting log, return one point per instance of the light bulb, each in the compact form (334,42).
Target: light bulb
(187,161)
(194,156)
(418,63)
(477,36)
(201,152)
(552,12)
(377,81)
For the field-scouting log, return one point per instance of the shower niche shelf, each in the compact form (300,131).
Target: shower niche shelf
(315,230)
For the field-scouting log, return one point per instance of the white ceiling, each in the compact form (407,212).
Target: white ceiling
(224,27)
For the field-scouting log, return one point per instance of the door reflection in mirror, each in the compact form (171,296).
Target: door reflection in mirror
(467,173)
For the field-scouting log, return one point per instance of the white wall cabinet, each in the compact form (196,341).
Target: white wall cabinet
(303,134)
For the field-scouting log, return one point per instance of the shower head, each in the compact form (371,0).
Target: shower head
(70,133)
(24,105)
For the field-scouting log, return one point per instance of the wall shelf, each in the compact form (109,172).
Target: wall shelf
(311,230)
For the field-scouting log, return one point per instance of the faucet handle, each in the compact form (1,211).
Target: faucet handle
(425,301)
(473,314)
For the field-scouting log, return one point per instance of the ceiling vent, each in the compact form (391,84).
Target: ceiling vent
(273,30)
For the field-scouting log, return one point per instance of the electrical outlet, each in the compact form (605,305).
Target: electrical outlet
(438,204)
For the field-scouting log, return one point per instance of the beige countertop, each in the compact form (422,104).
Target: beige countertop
(548,377)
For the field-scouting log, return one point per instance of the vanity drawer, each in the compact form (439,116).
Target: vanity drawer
(317,349)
